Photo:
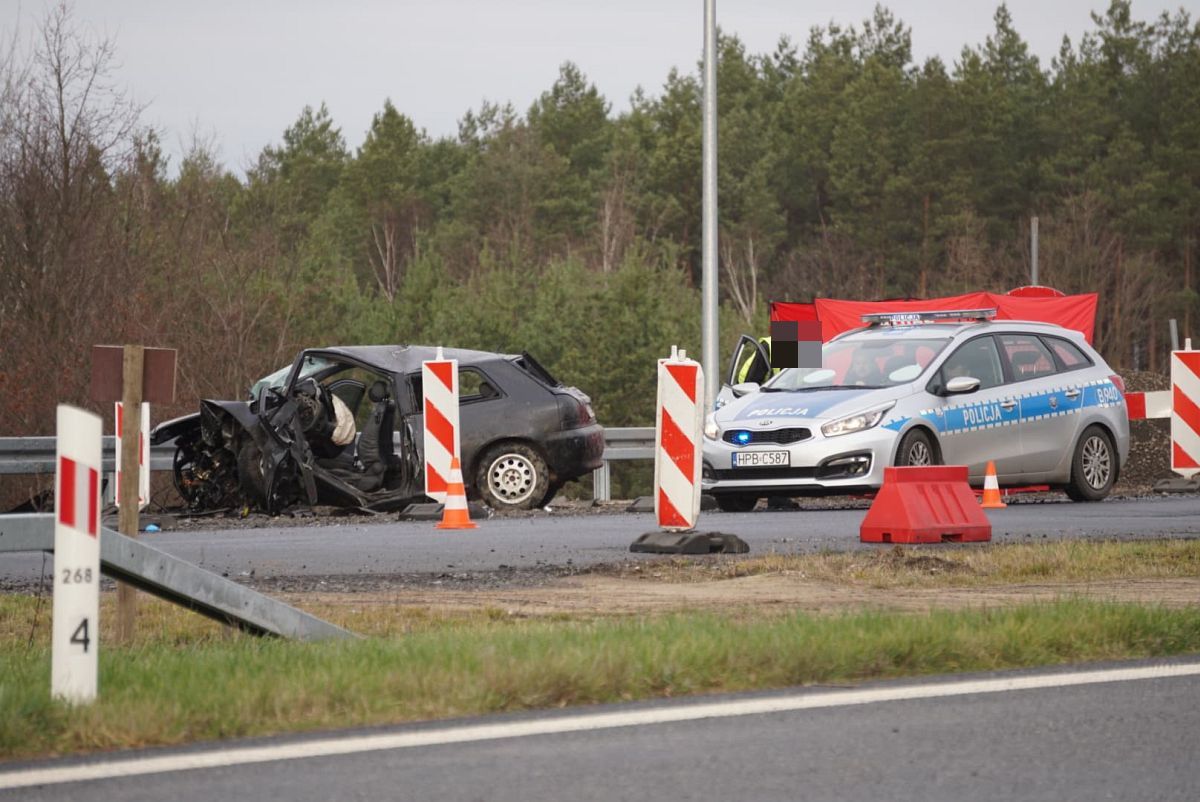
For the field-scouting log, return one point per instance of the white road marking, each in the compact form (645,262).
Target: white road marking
(326,747)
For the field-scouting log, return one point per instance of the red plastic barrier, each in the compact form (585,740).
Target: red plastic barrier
(925,505)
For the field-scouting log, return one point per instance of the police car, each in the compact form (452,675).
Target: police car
(955,388)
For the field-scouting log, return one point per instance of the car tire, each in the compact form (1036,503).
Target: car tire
(1093,466)
(182,471)
(916,449)
(738,502)
(250,475)
(512,476)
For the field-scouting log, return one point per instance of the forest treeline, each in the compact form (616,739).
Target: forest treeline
(572,230)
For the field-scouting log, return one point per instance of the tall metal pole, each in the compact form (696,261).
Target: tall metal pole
(1033,248)
(708,282)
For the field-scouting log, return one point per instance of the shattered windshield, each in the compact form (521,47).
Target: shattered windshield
(310,366)
(863,363)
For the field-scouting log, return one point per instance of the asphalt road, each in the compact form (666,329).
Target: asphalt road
(1125,740)
(575,540)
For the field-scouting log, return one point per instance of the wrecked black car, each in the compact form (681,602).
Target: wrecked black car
(344,427)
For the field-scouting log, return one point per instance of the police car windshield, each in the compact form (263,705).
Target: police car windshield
(863,362)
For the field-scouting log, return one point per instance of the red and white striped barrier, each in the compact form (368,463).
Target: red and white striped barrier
(1148,405)
(75,631)
(439,386)
(1185,413)
(143,456)
(678,423)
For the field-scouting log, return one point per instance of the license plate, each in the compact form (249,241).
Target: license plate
(762,459)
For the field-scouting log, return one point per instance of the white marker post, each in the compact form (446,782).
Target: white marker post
(679,423)
(439,388)
(1185,411)
(76,632)
(143,456)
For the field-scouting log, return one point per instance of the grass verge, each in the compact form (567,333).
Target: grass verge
(206,687)
(950,565)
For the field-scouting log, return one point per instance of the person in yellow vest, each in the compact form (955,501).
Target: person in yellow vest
(752,368)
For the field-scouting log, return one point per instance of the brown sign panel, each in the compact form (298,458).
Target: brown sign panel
(158,374)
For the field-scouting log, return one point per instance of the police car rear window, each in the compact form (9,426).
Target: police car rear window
(1069,355)
(1027,357)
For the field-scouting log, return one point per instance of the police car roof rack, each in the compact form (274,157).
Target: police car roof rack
(912,318)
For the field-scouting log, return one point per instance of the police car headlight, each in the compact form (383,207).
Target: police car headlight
(856,423)
(711,430)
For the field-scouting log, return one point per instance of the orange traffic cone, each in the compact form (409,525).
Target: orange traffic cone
(991,490)
(454,512)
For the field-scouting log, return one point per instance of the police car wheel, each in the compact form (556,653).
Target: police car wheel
(736,503)
(1094,466)
(917,450)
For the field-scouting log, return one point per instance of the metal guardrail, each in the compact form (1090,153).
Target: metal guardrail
(179,582)
(620,444)
(36,455)
(24,455)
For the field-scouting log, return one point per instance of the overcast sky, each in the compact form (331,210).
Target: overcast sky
(239,71)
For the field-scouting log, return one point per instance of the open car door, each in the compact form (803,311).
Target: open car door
(750,363)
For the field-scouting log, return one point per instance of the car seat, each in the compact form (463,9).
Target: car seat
(894,364)
(1025,364)
(374,443)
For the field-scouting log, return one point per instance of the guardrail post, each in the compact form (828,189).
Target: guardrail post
(601,491)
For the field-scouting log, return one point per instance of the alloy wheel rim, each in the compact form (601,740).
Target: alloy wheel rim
(918,455)
(1097,462)
(512,478)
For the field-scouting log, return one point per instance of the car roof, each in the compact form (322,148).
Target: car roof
(947,330)
(406,358)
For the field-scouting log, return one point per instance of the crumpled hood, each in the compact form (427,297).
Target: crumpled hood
(812,404)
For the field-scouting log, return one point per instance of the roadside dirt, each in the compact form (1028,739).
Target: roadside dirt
(762,594)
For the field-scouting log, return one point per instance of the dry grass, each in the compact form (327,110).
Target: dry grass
(25,621)
(949,566)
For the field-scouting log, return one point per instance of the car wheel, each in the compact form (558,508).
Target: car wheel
(183,470)
(250,475)
(736,503)
(916,450)
(1094,466)
(512,476)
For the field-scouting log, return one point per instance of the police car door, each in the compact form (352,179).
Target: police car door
(1048,401)
(979,426)
(750,362)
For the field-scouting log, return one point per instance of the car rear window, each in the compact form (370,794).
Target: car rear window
(473,385)
(1069,355)
(534,368)
(1027,356)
